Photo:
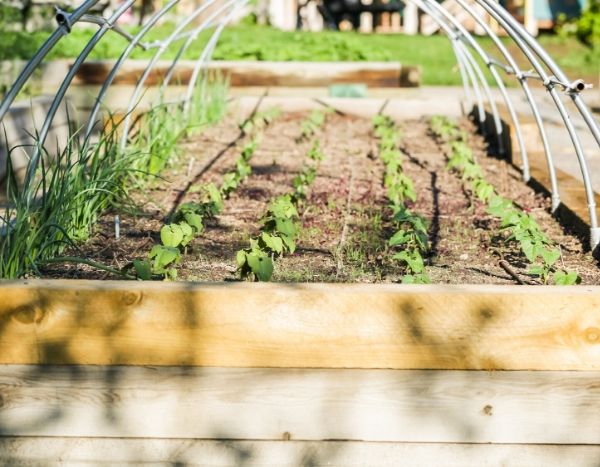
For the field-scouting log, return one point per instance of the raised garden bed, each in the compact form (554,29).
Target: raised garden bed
(132,372)
(345,221)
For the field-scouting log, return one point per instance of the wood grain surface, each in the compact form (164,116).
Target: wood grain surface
(69,452)
(303,326)
(301,405)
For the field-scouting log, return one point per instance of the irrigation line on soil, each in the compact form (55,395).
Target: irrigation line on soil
(206,167)
(340,246)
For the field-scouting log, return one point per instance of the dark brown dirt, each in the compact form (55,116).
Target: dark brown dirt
(345,220)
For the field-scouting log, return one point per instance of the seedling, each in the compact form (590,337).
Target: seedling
(411,234)
(280,226)
(537,248)
(258,121)
(278,236)
(232,180)
(313,123)
(255,263)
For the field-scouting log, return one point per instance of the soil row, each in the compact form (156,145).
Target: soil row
(345,220)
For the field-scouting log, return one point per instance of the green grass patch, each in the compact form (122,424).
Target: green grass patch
(249,42)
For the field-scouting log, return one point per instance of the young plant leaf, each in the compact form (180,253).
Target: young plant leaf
(566,278)
(143,269)
(171,235)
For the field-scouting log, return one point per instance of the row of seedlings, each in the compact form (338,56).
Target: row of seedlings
(188,221)
(280,224)
(58,210)
(410,240)
(520,228)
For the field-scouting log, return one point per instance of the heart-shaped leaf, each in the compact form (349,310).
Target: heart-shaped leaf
(171,235)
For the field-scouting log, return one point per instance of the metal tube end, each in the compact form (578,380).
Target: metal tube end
(594,237)
(555,202)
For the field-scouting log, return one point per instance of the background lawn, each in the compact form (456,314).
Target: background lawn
(249,42)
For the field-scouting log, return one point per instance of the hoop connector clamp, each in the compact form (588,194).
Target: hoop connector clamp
(577,86)
(63,18)
(574,87)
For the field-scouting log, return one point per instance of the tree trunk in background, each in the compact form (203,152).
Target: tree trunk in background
(144,10)
(262,12)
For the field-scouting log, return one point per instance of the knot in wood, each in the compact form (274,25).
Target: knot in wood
(592,335)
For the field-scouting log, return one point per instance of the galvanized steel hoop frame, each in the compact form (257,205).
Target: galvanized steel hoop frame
(465,46)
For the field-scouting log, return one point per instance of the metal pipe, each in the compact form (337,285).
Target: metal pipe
(124,55)
(463,33)
(193,36)
(63,29)
(492,9)
(58,98)
(133,101)
(551,64)
(207,53)
(461,55)
(100,21)
(514,69)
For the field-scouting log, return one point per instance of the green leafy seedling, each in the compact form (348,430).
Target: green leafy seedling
(255,262)
(566,278)
(143,269)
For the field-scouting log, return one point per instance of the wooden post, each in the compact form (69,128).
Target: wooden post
(282,14)
(366,22)
(481,13)
(530,20)
(411,19)
(395,22)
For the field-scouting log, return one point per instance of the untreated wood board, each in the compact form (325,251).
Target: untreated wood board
(310,405)
(259,73)
(302,325)
(67,452)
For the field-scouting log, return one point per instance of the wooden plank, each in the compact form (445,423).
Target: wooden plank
(249,73)
(302,325)
(68,452)
(301,405)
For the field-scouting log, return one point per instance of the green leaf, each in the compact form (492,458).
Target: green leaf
(531,250)
(536,271)
(215,197)
(416,279)
(163,256)
(272,242)
(195,221)
(550,255)
(188,233)
(240,258)
(243,169)
(143,269)
(413,260)
(283,207)
(484,191)
(566,278)
(261,265)
(171,235)
(399,238)
(289,243)
(171,274)
(230,183)
(497,206)
(286,227)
